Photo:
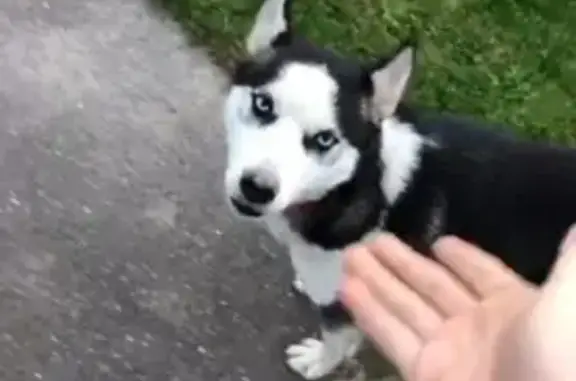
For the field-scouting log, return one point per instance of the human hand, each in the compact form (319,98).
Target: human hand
(468,317)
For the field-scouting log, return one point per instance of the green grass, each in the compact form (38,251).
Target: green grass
(510,61)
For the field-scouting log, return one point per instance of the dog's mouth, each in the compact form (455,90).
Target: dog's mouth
(296,213)
(245,209)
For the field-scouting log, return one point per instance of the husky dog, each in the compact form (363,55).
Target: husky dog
(325,152)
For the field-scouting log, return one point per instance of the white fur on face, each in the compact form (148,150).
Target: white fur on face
(304,98)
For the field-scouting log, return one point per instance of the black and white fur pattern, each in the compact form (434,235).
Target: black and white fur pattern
(323,151)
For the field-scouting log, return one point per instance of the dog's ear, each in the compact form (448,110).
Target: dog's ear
(390,79)
(272,27)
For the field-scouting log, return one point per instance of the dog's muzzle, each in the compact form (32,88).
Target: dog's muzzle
(256,189)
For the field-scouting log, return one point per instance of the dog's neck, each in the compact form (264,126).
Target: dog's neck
(341,217)
(401,155)
(358,206)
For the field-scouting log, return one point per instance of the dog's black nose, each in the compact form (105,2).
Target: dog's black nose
(258,187)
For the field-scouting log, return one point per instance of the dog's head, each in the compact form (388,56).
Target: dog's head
(299,118)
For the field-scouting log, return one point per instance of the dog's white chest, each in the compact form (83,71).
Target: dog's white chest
(319,270)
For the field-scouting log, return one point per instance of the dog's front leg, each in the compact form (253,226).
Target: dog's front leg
(314,358)
(280,230)
(321,273)
(297,281)
(298,284)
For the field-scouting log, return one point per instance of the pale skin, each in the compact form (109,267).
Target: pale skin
(466,317)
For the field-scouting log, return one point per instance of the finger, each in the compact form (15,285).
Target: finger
(393,339)
(434,283)
(393,294)
(481,272)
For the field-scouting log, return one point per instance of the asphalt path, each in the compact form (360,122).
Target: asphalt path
(118,259)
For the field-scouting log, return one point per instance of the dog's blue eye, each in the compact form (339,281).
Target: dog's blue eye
(263,107)
(323,141)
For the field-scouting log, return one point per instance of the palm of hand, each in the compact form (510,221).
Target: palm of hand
(462,349)
(434,325)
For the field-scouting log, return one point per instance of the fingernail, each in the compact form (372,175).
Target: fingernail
(569,239)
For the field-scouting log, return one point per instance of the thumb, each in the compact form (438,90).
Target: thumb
(569,239)
(556,303)
(551,323)
(564,270)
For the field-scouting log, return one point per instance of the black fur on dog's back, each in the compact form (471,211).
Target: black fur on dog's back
(512,197)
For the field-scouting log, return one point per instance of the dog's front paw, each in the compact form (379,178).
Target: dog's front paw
(309,359)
